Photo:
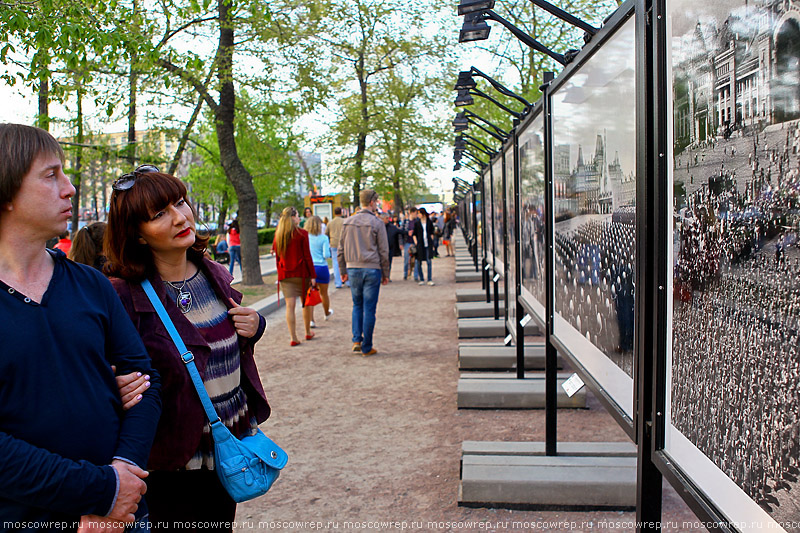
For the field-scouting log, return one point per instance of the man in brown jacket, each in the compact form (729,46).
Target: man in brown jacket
(364,260)
(334,233)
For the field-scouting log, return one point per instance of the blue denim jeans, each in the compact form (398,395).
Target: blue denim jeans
(236,255)
(418,273)
(337,276)
(365,286)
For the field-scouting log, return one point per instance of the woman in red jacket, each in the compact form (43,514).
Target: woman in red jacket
(295,269)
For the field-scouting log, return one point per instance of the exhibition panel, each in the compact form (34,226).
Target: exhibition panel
(594,188)
(534,216)
(732,403)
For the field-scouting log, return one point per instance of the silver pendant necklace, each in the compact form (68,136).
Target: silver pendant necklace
(184,299)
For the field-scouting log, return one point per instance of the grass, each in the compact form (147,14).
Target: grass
(253,293)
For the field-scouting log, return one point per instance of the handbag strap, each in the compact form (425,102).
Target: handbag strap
(186,356)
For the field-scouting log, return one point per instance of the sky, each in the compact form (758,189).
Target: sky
(19,105)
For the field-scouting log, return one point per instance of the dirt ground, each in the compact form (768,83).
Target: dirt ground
(374,443)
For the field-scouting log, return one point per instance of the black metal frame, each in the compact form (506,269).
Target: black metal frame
(655,375)
(647,427)
(614,23)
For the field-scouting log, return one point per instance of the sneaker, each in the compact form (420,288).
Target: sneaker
(371,352)
(330,312)
(356,346)
(431,283)
(421,283)
(313,324)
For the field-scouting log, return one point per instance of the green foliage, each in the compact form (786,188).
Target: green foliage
(371,41)
(266,236)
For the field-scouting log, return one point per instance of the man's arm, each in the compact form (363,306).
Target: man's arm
(383,253)
(340,254)
(39,478)
(124,349)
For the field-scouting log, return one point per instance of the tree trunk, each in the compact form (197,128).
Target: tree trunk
(235,171)
(398,199)
(268,212)
(131,147)
(176,159)
(223,211)
(362,134)
(76,179)
(43,118)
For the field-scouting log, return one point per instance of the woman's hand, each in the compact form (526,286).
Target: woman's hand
(131,387)
(245,320)
(313,282)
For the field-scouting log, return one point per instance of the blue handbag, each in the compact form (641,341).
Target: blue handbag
(246,467)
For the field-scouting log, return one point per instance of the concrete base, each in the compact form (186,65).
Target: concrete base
(475,295)
(466,276)
(478,309)
(584,476)
(471,328)
(505,391)
(495,356)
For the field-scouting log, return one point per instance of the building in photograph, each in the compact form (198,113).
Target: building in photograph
(742,73)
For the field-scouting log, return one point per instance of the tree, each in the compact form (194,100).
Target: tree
(367,39)
(218,72)
(407,134)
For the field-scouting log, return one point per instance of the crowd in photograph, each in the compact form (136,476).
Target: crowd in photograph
(736,318)
(595,283)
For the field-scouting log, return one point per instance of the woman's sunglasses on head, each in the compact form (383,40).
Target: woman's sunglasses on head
(126,181)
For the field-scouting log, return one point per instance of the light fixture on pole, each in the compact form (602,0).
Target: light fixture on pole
(464,136)
(471,7)
(464,98)
(466,81)
(464,119)
(476,29)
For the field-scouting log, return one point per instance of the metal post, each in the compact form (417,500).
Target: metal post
(551,355)
(494,245)
(505,238)
(474,229)
(653,219)
(520,330)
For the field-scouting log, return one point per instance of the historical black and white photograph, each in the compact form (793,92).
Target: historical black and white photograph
(498,222)
(736,264)
(511,213)
(532,206)
(594,143)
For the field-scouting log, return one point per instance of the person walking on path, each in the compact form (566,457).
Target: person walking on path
(334,233)
(364,260)
(393,237)
(295,269)
(152,235)
(320,247)
(423,240)
(73,448)
(408,233)
(447,233)
(234,245)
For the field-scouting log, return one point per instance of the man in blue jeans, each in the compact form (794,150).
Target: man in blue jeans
(363,258)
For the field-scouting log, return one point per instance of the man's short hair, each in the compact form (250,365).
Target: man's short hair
(367,196)
(337,210)
(20,145)
(412,209)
